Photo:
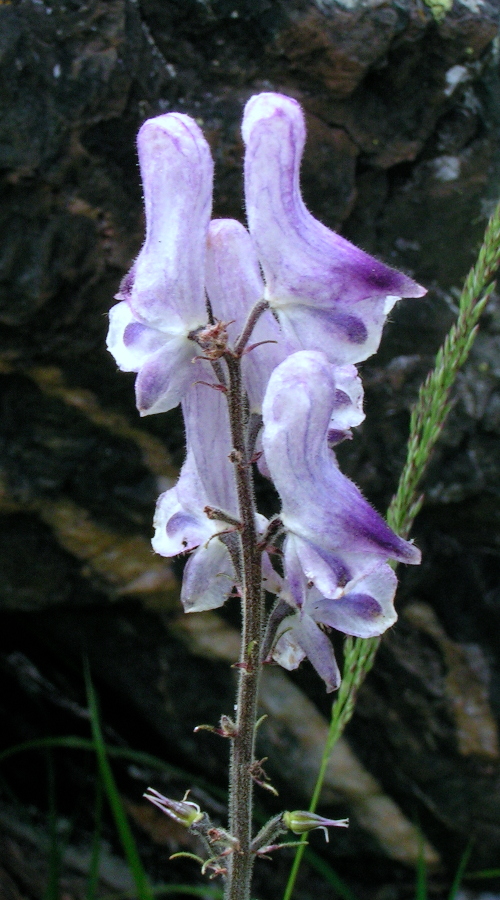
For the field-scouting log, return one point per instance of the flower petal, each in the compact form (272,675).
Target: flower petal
(164,377)
(365,609)
(287,651)
(177,171)
(180,523)
(323,569)
(208,578)
(348,408)
(319,504)
(319,651)
(208,437)
(327,293)
(234,285)
(130,341)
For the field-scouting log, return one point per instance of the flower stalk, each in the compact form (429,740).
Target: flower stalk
(252,603)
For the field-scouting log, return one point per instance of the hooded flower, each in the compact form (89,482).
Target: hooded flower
(361,605)
(234,285)
(206,479)
(328,295)
(328,519)
(162,297)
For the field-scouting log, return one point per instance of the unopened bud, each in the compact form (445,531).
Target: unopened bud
(182,811)
(300,822)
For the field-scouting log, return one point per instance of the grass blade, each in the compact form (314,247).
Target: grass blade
(457,881)
(138,873)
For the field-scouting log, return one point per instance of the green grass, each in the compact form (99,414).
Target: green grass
(143,888)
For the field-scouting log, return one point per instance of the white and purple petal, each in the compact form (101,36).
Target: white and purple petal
(234,285)
(319,504)
(177,174)
(306,563)
(208,577)
(327,294)
(131,342)
(208,438)
(180,523)
(165,376)
(348,407)
(301,637)
(365,608)
(162,297)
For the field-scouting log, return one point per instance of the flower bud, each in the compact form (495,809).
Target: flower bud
(300,822)
(182,811)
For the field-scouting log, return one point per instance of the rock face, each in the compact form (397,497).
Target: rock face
(403,115)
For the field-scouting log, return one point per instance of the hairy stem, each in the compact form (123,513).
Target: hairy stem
(249,325)
(242,745)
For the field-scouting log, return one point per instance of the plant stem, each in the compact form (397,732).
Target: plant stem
(243,744)
(254,316)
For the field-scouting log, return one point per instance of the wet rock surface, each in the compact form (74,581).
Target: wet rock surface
(403,121)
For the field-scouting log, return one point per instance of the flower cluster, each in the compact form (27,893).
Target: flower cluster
(300,307)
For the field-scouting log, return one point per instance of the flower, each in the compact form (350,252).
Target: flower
(337,546)
(184,812)
(234,286)
(327,294)
(362,607)
(300,822)
(206,480)
(162,298)
(320,505)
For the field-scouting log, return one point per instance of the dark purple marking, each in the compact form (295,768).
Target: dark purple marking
(353,328)
(336,436)
(381,278)
(341,398)
(127,284)
(364,606)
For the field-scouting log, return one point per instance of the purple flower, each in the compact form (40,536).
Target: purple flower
(320,506)
(162,297)
(328,295)
(206,479)
(234,285)
(361,605)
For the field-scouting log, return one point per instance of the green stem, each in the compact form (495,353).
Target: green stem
(426,424)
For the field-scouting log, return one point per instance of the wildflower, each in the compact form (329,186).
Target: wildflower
(300,822)
(327,294)
(320,505)
(184,812)
(234,286)
(206,480)
(162,298)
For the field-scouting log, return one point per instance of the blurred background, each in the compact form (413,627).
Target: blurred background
(403,110)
